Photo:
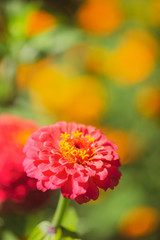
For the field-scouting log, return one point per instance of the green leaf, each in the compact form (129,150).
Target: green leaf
(8,235)
(70,219)
(69,235)
(45,231)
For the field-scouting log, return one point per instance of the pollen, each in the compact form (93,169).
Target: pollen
(76,147)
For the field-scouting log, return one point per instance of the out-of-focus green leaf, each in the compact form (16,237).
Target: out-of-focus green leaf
(45,231)
(70,219)
(69,235)
(15,224)
(7,235)
(16,12)
(56,41)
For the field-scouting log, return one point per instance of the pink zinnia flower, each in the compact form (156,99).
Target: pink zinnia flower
(76,158)
(14,183)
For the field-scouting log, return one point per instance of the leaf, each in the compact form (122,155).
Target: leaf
(69,235)
(70,220)
(8,235)
(46,231)
(43,231)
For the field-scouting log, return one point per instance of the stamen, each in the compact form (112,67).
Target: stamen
(76,147)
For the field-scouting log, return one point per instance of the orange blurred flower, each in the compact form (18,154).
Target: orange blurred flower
(148,101)
(125,141)
(100,16)
(134,58)
(39,21)
(139,221)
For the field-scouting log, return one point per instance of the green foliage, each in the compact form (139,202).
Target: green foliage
(46,231)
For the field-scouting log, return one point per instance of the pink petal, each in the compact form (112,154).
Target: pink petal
(44,167)
(81,177)
(59,178)
(67,190)
(33,153)
(72,127)
(44,155)
(92,190)
(31,169)
(48,144)
(81,128)
(55,131)
(90,171)
(113,171)
(63,126)
(45,136)
(50,185)
(103,174)
(96,134)
(103,184)
(90,129)
(98,164)
(78,188)
(82,199)
(40,186)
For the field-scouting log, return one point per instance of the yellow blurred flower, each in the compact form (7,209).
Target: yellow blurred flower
(148,101)
(125,141)
(39,21)
(26,71)
(100,16)
(86,57)
(134,58)
(86,100)
(48,87)
(139,221)
(95,59)
(60,92)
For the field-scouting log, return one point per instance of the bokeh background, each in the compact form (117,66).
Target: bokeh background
(94,62)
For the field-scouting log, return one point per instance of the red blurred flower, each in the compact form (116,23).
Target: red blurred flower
(14,183)
(73,157)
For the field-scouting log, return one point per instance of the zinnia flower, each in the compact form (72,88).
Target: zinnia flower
(68,95)
(100,16)
(76,158)
(139,221)
(136,48)
(14,183)
(39,21)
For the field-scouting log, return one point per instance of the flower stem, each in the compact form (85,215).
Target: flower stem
(61,208)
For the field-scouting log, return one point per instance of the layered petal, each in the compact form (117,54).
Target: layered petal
(76,158)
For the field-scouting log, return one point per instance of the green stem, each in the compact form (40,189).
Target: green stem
(61,208)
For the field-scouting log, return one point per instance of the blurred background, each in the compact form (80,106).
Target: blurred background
(94,62)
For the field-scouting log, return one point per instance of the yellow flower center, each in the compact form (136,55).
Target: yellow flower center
(76,147)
